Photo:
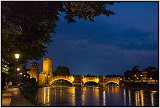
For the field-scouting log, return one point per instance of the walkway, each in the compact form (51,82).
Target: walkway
(6,97)
(13,97)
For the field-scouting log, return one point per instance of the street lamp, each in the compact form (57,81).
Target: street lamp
(18,69)
(17,56)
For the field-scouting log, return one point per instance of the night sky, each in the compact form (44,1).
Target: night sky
(109,45)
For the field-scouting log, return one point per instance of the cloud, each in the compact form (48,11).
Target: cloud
(107,33)
(87,56)
(110,44)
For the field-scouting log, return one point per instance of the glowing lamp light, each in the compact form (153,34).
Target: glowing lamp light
(16,56)
(20,73)
(18,69)
(24,75)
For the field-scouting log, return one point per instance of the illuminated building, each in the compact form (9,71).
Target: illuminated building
(34,71)
(46,75)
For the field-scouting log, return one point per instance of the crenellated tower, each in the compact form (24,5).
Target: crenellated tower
(47,66)
(34,71)
(46,75)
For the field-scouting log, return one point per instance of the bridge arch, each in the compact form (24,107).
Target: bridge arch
(90,82)
(90,79)
(111,82)
(69,79)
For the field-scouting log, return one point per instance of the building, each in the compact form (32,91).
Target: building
(46,74)
(34,71)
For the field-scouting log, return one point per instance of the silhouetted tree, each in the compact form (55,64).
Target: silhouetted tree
(127,74)
(156,75)
(27,26)
(61,70)
(152,72)
(133,74)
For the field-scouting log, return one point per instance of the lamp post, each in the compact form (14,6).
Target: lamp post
(17,56)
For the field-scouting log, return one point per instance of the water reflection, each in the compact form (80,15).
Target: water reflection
(152,97)
(44,96)
(96,96)
(104,98)
(140,97)
(124,98)
(137,98)
(129,92)
(90,95)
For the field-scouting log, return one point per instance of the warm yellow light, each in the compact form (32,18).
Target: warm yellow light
(17,56)
(72,78)
(20,73)
(18,69)
(24,75)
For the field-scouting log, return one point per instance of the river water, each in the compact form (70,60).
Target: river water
(96,96)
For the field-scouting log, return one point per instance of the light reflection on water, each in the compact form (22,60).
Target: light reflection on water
(96,96)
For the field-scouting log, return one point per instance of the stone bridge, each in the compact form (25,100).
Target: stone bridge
(80,80)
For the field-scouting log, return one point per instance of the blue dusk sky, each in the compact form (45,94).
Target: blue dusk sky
(109,45)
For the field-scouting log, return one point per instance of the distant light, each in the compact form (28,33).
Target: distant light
(140,75)
(18,69)
(17,56)
(20,73)
(150,78)
(24,75)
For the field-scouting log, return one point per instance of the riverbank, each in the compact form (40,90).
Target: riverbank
(13,97)
(29,91)
(144,85)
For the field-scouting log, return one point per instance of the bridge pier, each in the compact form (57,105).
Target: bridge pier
(78,84)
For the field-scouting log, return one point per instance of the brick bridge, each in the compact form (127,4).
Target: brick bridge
(80,80)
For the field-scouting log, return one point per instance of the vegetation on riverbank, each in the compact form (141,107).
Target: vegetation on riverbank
(29,91)
(144,85)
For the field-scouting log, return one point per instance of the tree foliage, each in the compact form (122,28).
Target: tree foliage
(133,74)
(136,74)
(61,70)
(27,26)
(152,72)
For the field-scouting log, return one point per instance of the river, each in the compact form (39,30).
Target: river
(96,96)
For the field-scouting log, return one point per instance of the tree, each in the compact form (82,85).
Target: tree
(127,75)
(152,72)
(27,26)
(61,70)
(133,74)
(156,75)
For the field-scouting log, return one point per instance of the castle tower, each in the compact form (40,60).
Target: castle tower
(46,75)
(47,66)
(34,71)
